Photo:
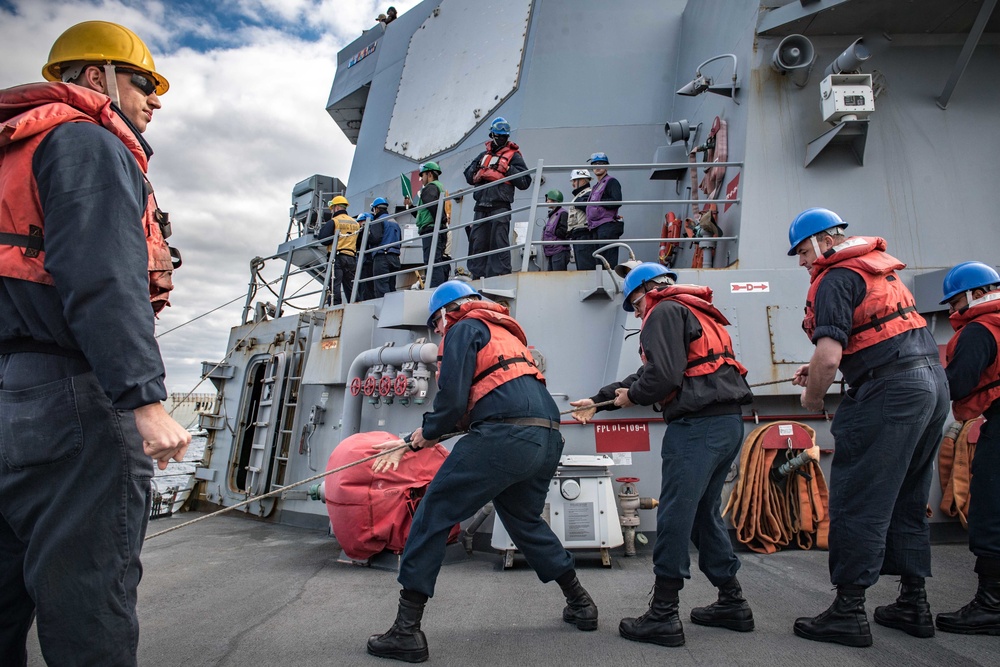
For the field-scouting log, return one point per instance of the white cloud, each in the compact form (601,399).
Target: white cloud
(241,124)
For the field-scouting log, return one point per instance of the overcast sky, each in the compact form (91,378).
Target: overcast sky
(243,121)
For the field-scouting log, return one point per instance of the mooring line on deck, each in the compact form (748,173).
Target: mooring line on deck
(403,443)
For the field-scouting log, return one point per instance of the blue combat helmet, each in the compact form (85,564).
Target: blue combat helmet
(447,292)
(966,277)
(500,126)
(639,276)
(810,222)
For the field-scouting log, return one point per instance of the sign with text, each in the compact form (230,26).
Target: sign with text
(623,435)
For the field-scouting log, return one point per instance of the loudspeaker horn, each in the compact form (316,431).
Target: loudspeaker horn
(794,52)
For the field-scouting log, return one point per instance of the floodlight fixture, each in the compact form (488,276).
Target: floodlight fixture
(702,83)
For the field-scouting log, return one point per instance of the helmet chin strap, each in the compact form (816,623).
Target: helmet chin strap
(986,298)
(812,239)
(111,82)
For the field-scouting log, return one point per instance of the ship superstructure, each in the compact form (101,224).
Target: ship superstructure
(729,116)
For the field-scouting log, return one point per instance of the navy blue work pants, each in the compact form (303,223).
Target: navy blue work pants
(74,504)
(366,290)
(558,261)
(491,235)
(583,252)
(508,464)
(344,268)
(886,435)
(385,263)
(602,236)
(984,494)
(440,273)
(697,453)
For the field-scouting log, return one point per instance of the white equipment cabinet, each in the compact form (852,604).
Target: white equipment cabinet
(580,508)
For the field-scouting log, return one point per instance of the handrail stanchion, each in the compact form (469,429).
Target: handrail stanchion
(526,251)
(284,284)
(255,264)
(330,259)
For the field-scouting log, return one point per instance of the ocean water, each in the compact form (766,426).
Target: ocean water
(180,475)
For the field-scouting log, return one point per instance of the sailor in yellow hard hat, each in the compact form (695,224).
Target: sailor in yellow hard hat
(110,57)
(345,261)
(84,266)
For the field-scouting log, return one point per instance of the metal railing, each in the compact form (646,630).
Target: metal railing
(526,244)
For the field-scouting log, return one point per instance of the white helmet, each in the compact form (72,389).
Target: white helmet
(579,173)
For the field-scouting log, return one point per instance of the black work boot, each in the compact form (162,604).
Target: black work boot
(845,622)
(729,611)
(580,609)
(661,624)
(910,612)
(979,617)
(404,640)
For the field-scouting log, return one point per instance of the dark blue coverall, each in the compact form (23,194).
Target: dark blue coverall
(510,464)
(886,434)
(703,436)
(74,479)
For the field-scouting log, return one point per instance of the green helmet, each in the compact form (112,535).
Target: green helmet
(554,195)
(430,166)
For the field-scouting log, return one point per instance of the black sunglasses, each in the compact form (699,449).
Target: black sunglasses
(143,82)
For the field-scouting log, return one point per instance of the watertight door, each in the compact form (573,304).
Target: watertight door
(264,426)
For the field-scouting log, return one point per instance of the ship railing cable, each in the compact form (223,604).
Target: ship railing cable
(198,317)
(205,375)
(404,442)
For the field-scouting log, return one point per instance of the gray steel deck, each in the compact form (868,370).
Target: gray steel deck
(232,591)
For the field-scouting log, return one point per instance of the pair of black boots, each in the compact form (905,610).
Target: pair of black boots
(662,624)
(406,641)
(846,622)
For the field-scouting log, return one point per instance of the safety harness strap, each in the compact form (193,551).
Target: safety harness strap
(33,242)
(502,363)
(877,322)
(710,357)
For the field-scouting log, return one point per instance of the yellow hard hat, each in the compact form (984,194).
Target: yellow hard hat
(101,42)
(339,200)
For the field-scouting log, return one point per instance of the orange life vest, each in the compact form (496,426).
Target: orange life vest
(28,113)
(888,308)
(987,390)
(714,348)
(494,165)
(504,358)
